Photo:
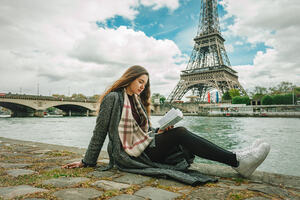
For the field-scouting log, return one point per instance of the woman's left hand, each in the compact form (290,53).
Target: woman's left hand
(166,129)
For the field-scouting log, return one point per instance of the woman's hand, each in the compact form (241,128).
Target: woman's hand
(166,129)
(73,165)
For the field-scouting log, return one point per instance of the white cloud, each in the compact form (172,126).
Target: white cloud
(58,46)
(274,23)
(229,48)
(238,43)
(157,4)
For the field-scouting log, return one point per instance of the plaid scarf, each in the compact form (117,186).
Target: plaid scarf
(134,138)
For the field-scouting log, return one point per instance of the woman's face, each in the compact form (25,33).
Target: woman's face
(138,85)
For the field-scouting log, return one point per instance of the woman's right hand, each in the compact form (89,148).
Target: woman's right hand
(167,129)
(73,165)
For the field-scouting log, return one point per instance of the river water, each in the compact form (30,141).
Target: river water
(231,133)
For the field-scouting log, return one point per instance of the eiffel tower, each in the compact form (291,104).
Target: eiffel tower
(209,67)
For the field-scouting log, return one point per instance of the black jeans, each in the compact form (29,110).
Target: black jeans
(194,143)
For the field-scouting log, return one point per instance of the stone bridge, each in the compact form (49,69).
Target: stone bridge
(31,105)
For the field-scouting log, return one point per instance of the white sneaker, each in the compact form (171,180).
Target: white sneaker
(249,160)
(255,144)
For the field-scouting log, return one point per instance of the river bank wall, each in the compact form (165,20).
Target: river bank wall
(229,110)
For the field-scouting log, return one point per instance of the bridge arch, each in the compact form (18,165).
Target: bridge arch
(73,109)
(18,110)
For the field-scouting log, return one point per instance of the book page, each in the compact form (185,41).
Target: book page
(170,119)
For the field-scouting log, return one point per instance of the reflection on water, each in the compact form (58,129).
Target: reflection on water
(230,133)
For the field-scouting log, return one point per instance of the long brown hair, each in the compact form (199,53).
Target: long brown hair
(128,77)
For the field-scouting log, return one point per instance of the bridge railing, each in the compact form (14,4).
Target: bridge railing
(47,98)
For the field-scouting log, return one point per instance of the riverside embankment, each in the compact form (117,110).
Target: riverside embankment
(227,132)
(32,170)
(229,110)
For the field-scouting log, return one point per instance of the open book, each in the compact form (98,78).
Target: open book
(170,118)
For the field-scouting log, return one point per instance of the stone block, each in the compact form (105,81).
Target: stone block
(15,191)
(205,193)
(13,165)
(110,185)
(19,172)
(34,199)
(65,181)
(156,193)
(132,178)
(257,198)
(127,197)
(270,190)
(101,174)
(77,194)
(41,151)
(172,183)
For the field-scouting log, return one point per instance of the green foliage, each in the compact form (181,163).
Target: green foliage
(95,97)
(78,96)
(156,97)
(60,96)
(51,109)
(258,92)
(278,99)
(281,99)
(281,88)
(296,92)
(226,96)
(241,100)
(162,99)
(234,93)
(267,100)
(258,96)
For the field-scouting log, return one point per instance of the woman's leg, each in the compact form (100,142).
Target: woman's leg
(194,143)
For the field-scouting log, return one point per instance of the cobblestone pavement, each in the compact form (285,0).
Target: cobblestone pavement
(31,170)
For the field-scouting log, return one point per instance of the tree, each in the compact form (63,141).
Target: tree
(51,109)
(162,99)
(158,98)
(267,100)
(296,93)
(234,93)
(78,96)
(282,88)
(95,97)
(59,96)
(241,100)
(258,92)
(277,99)
(280,99)
(288,98)
(226,96)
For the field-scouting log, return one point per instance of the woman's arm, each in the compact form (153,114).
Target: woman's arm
(100,130)
(99,133)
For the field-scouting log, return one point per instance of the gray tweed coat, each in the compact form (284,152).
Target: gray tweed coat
(175,166)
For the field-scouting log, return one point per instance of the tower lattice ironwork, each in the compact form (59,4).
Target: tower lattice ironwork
(209,67)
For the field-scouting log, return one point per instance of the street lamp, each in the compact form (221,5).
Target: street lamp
(293,96)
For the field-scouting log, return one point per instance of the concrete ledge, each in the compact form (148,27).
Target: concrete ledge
(209,169)
(77,150)
(257,176)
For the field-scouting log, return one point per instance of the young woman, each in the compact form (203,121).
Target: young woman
(134,146)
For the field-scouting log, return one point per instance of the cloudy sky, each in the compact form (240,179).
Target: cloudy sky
(66,47)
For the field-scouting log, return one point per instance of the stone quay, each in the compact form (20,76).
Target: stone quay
(31,170)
